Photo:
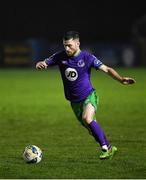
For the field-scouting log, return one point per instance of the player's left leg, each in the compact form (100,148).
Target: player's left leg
(107,150)
(97,132)
(85,113)
(88,116)
(78,111)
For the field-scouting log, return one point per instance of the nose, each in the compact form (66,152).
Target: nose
(66,48)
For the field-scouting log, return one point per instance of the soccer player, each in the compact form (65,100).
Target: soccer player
(75,67)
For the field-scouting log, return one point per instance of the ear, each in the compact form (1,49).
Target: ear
(78,43)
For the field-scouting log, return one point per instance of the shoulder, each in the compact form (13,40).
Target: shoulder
(92,59)
(89,55)
(86,53)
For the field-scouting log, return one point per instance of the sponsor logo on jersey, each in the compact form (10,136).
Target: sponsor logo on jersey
(81,63)
(71,74)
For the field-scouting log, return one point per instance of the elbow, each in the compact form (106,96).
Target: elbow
(108,70)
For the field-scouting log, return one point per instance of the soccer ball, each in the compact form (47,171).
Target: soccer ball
(32,154)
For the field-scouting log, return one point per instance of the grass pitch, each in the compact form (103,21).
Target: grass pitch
(33,111)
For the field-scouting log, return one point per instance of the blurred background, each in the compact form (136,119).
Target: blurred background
(115,31)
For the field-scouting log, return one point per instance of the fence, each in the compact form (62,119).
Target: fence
(27,53)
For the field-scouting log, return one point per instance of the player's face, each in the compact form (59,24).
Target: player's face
(71,46)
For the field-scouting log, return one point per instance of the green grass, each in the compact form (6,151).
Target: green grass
(33,111)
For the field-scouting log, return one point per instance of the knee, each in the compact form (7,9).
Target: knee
(86,119)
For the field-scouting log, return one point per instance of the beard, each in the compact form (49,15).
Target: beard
(71,53)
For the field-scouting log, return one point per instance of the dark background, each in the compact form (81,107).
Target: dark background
(95,20)
(112,30)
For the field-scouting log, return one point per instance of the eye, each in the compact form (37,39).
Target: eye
(68,45)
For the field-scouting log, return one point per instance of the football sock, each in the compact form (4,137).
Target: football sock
(104,147)
(99,135)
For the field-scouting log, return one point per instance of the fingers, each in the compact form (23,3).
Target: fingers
(131,81)
(127,80)
(41,65)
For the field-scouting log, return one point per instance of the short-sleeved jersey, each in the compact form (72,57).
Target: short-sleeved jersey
(75,73)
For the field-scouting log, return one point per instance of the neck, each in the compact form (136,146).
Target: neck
(77,52)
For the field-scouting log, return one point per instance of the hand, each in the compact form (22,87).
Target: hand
(127,80)
(41,65)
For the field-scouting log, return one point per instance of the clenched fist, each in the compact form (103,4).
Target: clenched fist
(41,65)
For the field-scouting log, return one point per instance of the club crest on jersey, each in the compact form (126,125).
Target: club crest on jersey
(81,63)
(71,74)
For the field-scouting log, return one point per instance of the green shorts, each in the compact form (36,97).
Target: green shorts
(79,106)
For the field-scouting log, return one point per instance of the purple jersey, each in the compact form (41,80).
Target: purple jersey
(75,73)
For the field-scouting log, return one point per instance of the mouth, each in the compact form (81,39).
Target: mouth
(68,52)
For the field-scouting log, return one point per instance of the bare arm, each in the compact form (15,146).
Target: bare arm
(114,74)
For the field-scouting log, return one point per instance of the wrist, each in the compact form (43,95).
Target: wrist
(121,79)
(46,61)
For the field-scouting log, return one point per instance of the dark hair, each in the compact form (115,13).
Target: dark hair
(70,35)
